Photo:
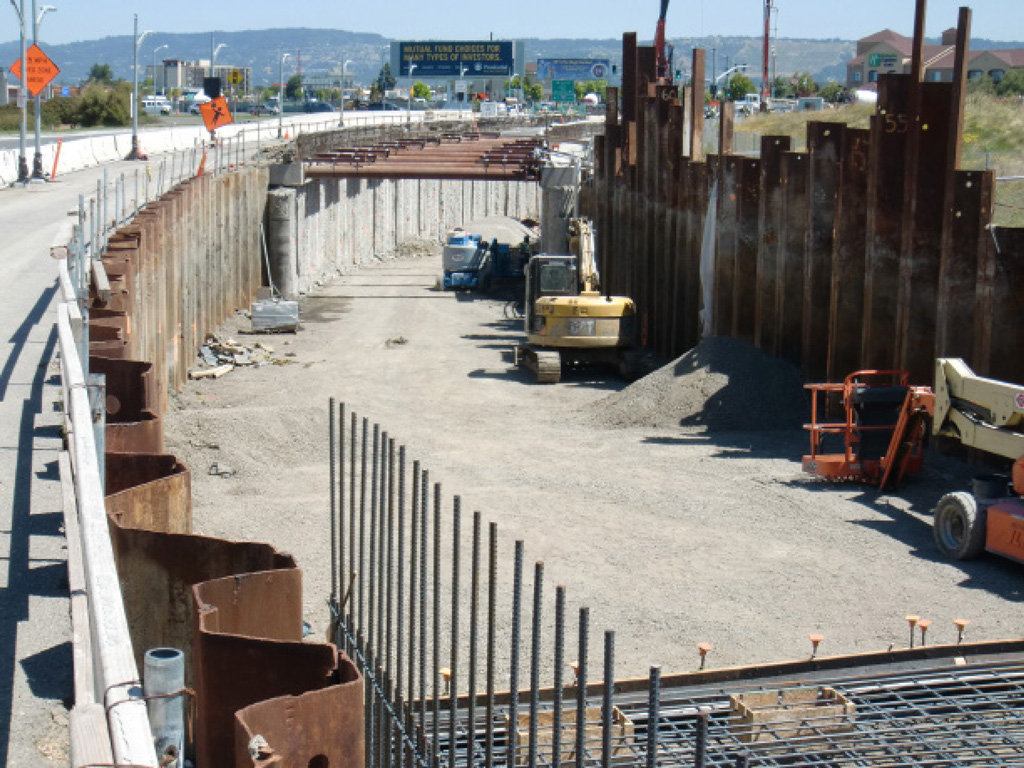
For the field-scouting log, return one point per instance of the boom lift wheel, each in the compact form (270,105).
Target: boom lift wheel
(959,526)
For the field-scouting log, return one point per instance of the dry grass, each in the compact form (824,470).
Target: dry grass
(993,138)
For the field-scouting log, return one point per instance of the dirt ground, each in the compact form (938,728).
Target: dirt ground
(671,535)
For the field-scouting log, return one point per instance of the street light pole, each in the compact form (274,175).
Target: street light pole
(37,19)
(164,89)
(280,99)
(22,93)
(412,68)
(341,120)
(135,154)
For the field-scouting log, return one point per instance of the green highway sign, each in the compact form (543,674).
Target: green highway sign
(563,90)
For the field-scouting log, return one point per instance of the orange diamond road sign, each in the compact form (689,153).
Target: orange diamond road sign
(216,113)
(40,71)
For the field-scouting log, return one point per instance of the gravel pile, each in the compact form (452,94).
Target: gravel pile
(720,385)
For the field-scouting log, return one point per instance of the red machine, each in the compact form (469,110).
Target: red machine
(659,43)
(885,419)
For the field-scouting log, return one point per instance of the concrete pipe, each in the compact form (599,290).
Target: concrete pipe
(164,673)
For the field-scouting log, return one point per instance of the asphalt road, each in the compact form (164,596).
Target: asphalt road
(35,631)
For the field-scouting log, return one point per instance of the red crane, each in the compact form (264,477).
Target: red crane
(659,43)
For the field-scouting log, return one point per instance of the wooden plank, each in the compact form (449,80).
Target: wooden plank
(921,254)
(131,737)
(725,128)
(773,149)
(884,220)
(90,742)
(846,310)
(697,105)
(81,637)
(824,142)
(725,254)
(792,250)
(959,272)
(744,294)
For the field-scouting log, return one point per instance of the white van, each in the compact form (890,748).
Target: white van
(156,104)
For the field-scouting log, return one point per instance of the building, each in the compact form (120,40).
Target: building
(185,76)
(890,52)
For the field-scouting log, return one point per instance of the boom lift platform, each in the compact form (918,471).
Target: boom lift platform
(882,433)
(885,419)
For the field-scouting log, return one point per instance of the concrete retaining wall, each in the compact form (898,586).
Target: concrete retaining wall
(340,223)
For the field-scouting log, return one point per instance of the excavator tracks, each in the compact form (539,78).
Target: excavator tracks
(546,364)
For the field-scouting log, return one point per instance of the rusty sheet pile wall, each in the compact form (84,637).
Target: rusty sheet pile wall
(872,249)
(186,263)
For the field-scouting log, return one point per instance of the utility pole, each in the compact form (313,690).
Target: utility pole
(765,89)
(135,154)
(22,94)
(280,99)
(37,160)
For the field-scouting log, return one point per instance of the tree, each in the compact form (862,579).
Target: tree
(385,80)
(102,74)
(533,91)
(832,92)
(293,88)
(1011,84)
(805,85)
(584,87)
(782,88)
(982,85)
(104,106)
(739,86)
(420,90)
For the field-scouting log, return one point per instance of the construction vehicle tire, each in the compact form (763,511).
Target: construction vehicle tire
(632,365)
(959,526)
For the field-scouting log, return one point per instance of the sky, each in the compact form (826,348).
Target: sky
(478,19)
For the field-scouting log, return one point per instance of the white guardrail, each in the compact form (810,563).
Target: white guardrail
(107,679)
(78,152)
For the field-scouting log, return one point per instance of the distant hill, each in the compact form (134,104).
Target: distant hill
(323,50)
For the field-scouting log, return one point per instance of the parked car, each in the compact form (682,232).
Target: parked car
(318,106)
(264,109)
(384,106)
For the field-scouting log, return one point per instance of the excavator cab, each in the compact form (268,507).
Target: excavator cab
(548,275)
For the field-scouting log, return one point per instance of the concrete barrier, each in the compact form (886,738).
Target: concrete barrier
(8,166)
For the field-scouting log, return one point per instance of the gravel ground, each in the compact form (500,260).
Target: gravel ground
(672,534)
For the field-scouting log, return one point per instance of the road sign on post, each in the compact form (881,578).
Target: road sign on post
(39,70)
(563,90)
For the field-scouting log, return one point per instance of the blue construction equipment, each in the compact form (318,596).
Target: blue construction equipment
(466,262)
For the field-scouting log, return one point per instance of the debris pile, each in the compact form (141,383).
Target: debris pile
(221,357)
(720,385)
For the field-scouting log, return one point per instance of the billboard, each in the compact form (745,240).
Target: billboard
(573,69)
(485,58)
(882,60)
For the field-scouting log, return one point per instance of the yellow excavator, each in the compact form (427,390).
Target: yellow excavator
(568,321)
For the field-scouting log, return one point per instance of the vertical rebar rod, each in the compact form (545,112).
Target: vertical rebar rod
(414,522)
(391,602)
(368,708)
(742,760)
(453,704)
(653,716)
(383,587)
(436,672)
(374,585)
(352,529)
(474,628)
(606,706)
(513,677)
(700,741)
(492,598)
(556,733)
(399,604)
(340,570)
(334,504)
(362,529)
(538,598)
(425,487)
(581,688)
